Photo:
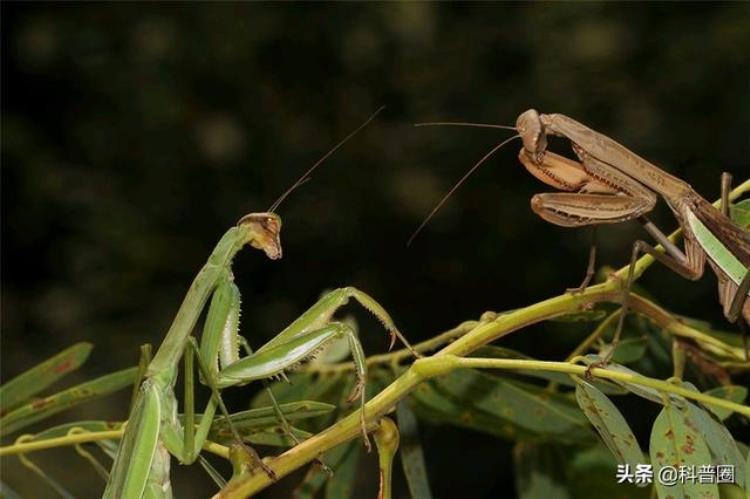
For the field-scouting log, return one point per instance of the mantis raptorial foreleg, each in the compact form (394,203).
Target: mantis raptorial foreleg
(154,423)
(611,184)
(709,234)
(299,341)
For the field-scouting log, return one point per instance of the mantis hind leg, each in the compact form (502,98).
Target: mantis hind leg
(688,264)
(360,369)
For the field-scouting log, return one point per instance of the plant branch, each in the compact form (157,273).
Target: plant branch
(85,437)
(442,363)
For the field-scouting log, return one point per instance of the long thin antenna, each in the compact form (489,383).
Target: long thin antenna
(463,123)
(306,176)
(458,184)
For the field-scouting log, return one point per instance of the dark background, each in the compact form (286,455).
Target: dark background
(134,134)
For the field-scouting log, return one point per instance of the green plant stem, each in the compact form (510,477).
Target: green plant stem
(568,368)
(93,436)
(484,333)
(584,346)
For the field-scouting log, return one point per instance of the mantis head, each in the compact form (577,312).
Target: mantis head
(264,232)
(531,130)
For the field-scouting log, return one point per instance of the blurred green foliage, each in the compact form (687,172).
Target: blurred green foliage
(134,134)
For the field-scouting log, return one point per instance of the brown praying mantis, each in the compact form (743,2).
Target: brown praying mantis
(611,184)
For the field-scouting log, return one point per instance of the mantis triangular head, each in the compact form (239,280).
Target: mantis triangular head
(265,229)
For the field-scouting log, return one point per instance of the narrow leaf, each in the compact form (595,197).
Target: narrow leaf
(527,406)
(8,493)
(676,441)
(315,477)
(437,408)
(741,214)
(26,385)
(269,435)
(720,442)
(735,393)
(591,475)
(341,484)
(646,392)
(412,456)
(630,350)
(266,416)
(610,424)
(539,471)
(47,406)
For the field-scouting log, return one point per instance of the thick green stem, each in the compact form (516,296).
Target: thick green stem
(444,360)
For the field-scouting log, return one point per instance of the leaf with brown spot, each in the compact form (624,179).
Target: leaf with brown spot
(610,424)
(36,411)
(675,442)
(720,442)
(27,384)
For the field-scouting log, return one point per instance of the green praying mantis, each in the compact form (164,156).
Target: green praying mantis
(611,184)
(154,430)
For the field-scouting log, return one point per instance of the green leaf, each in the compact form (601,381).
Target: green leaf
(7,493)
(720,442)
(47,406)
(268,435)
(646,392)
(515,405)
(341,484)
(676,441)
(412,456)
(740,213)
(611,425)
(435,407)
(591,475)
(539,471)
(315,478)
(264,417)
(735,393)
(26,385)
(630,350)
(303,386)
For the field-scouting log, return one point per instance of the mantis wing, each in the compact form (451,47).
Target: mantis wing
(135,455)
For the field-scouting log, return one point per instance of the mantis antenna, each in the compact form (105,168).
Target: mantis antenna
(463,123)
(306,176)
(461,180)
